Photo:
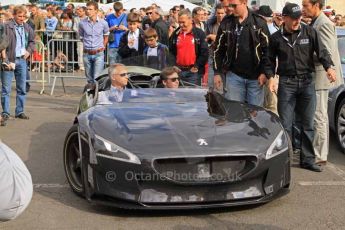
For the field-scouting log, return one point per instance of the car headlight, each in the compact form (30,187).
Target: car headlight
(113,151)
(279,145)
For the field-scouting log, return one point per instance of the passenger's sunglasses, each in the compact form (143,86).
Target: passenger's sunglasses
(173,79)
(148,13)
(122,74)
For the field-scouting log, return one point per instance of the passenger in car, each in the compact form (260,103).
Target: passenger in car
(118,75)
(170,77)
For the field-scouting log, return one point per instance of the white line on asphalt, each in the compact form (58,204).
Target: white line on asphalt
(50,107)
(322,183)
(336,170)
(38,186)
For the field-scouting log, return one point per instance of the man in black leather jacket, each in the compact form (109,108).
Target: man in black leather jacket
(241,52)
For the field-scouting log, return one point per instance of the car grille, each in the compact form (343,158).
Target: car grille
(205,169)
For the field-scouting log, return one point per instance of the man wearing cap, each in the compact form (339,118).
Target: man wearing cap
(294,46)
(270,98)
(327,40)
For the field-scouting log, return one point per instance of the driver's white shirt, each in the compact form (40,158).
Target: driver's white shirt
(110,96)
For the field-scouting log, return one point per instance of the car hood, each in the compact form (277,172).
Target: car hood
(181,129)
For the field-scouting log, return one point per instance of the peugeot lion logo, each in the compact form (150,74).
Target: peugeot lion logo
(202,141)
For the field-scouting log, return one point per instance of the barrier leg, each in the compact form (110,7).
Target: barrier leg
(53,86)
(63,85)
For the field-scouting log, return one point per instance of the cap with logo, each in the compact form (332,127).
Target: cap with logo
(292,10)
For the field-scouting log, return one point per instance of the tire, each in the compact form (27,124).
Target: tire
(72,161)
(340,125)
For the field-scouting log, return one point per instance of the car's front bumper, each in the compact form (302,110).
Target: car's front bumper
(127,186)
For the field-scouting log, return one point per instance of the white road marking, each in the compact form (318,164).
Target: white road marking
(38,186)
(50,107)
(321,183)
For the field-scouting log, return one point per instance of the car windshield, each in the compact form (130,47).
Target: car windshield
(139,79)
(156,95)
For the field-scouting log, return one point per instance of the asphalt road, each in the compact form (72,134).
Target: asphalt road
(316,200)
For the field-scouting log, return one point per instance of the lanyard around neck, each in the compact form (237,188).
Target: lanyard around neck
(287,40)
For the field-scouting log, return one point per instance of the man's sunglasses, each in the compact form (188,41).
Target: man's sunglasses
(122,74)
(173,79)
(232,6)
(148,13)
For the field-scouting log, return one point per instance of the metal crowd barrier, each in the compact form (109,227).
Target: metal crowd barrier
(63,56)
(36,65)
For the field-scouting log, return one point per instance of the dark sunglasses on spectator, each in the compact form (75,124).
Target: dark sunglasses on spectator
(122,74)
(173,79)
(233,5)
(148,13)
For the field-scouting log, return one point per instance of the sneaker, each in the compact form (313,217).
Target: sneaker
(3,119)
(22,116)
(5,116)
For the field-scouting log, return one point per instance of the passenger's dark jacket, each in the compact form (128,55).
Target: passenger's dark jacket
(201,48)
(125,51)
(10,32)
(225,44)
(162,30)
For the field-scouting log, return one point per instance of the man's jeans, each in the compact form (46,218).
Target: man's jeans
(298,95)
(193,78)
(93,64)
(113,56)
(243,90)
(6,79)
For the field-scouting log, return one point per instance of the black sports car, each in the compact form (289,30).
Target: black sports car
(174,148)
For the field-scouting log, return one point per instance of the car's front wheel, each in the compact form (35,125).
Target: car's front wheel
(341,125)
(72,160)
